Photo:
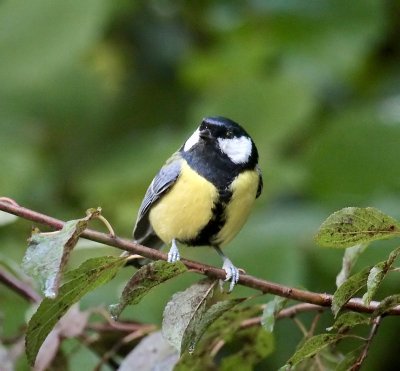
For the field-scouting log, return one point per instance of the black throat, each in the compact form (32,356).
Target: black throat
(218,169)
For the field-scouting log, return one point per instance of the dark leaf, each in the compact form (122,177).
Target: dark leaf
(143,281)
(354,225)
(348,289)
(312,346)
(349,319)
(90,275)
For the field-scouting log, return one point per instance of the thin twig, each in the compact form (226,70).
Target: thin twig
(320,299)
(364,353)
(300,326)
(284,313)
(314,323)
(20,287)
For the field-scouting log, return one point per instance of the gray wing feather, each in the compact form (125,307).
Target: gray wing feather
(162,182)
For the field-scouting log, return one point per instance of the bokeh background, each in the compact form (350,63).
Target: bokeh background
(96,94)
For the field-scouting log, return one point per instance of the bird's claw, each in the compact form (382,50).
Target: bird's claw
(232,274)
(173,254)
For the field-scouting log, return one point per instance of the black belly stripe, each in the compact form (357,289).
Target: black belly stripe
(210,231)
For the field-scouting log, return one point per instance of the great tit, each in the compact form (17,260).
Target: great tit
(203,194)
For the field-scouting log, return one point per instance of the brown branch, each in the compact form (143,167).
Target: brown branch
(20,287)
(364,353)
(320,299)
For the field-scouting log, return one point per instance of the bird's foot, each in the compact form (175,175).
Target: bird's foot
(173,254)
(232,274)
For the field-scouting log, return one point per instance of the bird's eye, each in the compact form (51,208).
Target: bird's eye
(229,134)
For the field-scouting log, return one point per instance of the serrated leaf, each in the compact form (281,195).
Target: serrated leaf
(152,353)
(48,253)
(272,308)
(377,274)
(348,289)
(197,326)
(143,281)
(90,275)
(255,345)
(349,319)
(386,305)
(354,225)
(350,258)
(183,308)
(312,346)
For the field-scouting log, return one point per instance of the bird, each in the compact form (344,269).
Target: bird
(203,194)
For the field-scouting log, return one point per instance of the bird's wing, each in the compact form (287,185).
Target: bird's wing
(260,182)
(162,182)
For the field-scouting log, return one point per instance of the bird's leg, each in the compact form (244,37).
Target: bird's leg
(173,254)
(232,273)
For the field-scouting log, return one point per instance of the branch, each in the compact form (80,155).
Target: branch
(364,353)
(320,299)
(20,287)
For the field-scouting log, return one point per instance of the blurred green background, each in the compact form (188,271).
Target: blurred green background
(96,94)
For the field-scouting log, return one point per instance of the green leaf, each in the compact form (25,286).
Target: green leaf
(354,225)
(350,258)
(184,309)
(255,344)
(377,274)
(386,305)
(198,325)
(48,253)
(90,275)
(349,319)
(223,329)
(272,308)
(312,346)
(348,289)
(143,281)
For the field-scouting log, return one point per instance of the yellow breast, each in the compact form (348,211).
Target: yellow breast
(244,189)
(185,209)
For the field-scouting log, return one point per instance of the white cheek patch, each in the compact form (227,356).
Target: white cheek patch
(194,139)
(237,149)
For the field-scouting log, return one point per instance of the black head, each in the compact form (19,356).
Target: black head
(225,136)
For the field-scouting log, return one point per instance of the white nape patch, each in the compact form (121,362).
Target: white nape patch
(237,149)
(194,139)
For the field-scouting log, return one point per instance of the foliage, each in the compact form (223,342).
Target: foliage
(95,95)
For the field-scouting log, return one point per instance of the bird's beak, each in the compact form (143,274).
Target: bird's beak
(205,134)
